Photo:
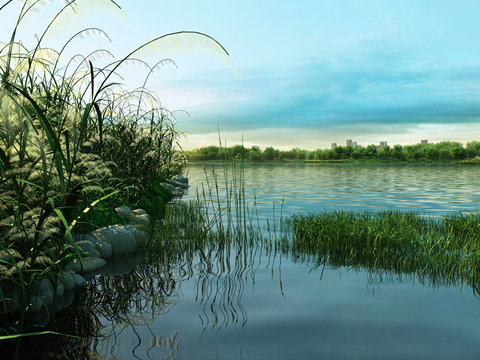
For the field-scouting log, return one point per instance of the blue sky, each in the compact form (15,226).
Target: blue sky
(311,72)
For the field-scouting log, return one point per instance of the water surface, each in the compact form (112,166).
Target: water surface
(253,302)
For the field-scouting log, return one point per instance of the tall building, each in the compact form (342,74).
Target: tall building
(383,143)
(424,142)
(349,142)
(334,145)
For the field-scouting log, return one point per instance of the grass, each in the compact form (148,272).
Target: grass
(441,251)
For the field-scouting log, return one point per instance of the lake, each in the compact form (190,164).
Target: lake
(255,301)
(434,189)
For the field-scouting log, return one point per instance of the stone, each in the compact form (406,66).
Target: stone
(5,255)
(119,237)
(168,187)
(139,212)
(143,220)
(83,237)
(85,245)
(79,280)
(43,294)
(67,280)
(123,211)
(104,249)
(178,184)
(93,253)
(180,179)
(89,264)
(138,234)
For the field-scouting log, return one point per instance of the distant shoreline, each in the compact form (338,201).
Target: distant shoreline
(475,161)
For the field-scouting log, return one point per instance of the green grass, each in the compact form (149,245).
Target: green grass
(72,138)
(441,251)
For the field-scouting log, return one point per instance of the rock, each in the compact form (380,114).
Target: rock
(83,237)
(124,211)
(104,249)
(67,280)
(180,179)
(43,294)
(143,220)
(5,255)
(178,184)
(89,264)
(79,281)
(119,237)
(139,235)
(168,187)
(85,245)
(178,192)
(93,253)
(139,212)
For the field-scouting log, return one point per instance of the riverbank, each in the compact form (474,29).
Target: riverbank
(474,161)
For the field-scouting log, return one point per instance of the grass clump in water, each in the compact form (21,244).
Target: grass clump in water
(441,251)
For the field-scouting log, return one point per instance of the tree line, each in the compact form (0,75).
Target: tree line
(442,151)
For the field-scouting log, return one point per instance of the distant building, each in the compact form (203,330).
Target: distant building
(349,143)
(334,145)
(383,143)
(424,142)
(354,144)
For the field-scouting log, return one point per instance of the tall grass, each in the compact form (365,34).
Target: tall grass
(70,137)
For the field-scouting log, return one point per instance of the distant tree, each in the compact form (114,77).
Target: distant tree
(269,153)
(348,151)
(328,154)
(302,154)
(458,153)
(445,154)
(397,152)
(238,151)
(432,153)
(358,152)
(311,155)
(473,149)
(339,152)
(318,154)
(371,151)
(384,152)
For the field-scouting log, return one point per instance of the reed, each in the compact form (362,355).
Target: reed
(71,138)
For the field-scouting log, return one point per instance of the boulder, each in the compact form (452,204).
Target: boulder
(67,280)
(168,187)
(124,211)
(139,212)
(83,237)
(120,237)
(89,264)
(85,245)
(142,220)
(43,294)
(178,184)
(180,179)
(104,249)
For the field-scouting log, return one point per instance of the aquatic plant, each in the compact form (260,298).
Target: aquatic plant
(60,134)
(439,252)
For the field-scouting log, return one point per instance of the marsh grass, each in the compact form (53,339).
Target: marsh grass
(71,138)
(437,252)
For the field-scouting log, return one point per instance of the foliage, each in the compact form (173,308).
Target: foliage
(443,151)
(70,138)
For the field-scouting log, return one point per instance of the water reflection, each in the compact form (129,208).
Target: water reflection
(238,299)
(431,188)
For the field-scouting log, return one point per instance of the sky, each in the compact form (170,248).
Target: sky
(310,73)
